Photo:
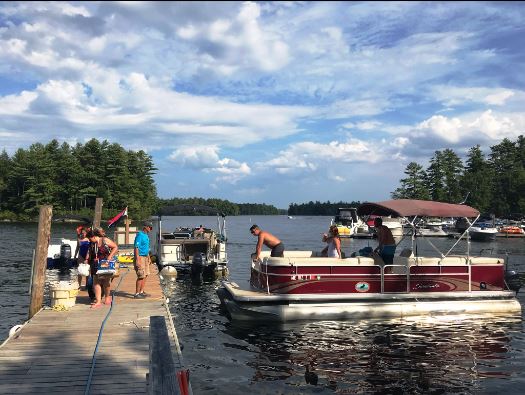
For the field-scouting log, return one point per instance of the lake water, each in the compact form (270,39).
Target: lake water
(461,354)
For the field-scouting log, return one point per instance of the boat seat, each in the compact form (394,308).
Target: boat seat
(364,260)
(319,261)
(453,261)
(405,261)
(482,260)
(289,254)
(435,261)
(427,261)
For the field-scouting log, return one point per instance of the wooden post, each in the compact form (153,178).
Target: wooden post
(126,237)
(39,271)
(98,212)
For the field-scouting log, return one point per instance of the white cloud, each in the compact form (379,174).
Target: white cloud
(366,125)
(443,127)
(453,95)
(206,158)
(309,156)
(237,43)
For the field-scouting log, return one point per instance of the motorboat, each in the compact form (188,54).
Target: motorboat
(60,256)
(198,251)
(431,231)
(395,225)
(303,285)
(483,233)
(511,230)
(348,222)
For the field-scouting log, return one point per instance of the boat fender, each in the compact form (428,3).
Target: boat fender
(14,329)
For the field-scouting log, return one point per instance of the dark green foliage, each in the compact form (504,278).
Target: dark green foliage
(318,208)
(414,186)
(192,206)
(71,178)
(494,186)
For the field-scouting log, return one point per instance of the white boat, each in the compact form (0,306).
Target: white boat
(431,231)
(481,233)
(196,251)
(395,225)
(348,222)
(302,285)
(60,256)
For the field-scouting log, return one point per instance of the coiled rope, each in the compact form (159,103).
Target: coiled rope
(94,358)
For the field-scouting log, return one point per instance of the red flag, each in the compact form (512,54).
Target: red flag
(117,217)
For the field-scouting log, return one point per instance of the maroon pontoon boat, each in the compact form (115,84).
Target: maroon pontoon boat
(303,285)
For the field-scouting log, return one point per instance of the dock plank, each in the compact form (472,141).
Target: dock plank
(53,352)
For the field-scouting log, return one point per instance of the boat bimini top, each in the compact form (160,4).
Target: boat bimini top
(421,208)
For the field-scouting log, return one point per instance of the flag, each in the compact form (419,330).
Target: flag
(117,217)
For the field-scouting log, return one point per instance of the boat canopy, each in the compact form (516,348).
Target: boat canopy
(410,207)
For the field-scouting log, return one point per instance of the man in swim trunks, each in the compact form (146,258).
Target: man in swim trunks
(387,243)
(268,240)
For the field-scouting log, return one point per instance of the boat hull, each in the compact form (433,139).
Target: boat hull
(244,305)
(482,236)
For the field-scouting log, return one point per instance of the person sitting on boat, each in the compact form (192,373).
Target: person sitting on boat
(199,232)
(333,249)
(268,240)
(387,245)
(100,248)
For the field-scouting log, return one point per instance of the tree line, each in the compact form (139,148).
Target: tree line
(70,178)
(494,183)
(198,206)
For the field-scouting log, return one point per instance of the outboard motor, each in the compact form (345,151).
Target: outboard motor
(197,265)
(63,264)
(513,280)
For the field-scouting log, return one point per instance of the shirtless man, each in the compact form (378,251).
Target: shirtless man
(269,241)
(387,244)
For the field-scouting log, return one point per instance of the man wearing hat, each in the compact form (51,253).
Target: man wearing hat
(141,259)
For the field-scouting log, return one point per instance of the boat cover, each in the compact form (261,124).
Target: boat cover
(410,207)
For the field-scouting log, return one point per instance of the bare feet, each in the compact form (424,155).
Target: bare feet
(96,305)
(108,300)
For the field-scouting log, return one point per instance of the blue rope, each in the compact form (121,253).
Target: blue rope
(94,359)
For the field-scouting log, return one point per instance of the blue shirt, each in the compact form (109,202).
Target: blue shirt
(142,243)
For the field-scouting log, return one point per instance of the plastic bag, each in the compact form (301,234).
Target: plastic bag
(83,269)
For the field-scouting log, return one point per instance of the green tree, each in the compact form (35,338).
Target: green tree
(414,185)
(452,171)
(477,180)
(435,177)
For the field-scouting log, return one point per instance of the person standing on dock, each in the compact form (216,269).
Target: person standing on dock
(100,248)
(141,259)
(268,240)
(387,243)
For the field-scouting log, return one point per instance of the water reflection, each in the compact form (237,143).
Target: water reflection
(415,355)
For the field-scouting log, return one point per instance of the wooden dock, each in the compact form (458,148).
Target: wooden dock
(53,352)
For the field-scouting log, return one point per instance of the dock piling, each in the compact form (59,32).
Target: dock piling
(39,271)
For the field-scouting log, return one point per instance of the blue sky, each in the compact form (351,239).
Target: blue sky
(265,102)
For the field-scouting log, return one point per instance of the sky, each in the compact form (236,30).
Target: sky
(266,102)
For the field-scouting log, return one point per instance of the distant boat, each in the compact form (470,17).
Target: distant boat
(290,217)
(481,233)
(348,222)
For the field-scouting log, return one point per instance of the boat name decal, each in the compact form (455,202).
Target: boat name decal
(426,286)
